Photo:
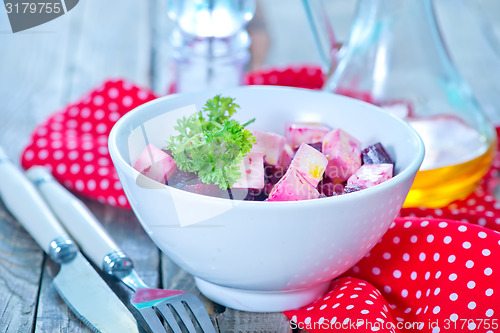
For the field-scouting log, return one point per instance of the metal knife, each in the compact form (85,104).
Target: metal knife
(78,284)
(97,245)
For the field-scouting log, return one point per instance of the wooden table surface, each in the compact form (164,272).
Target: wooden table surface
(43,69)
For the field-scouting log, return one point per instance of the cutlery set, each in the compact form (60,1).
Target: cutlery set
(50,213)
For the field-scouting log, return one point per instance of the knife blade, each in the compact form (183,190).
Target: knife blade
(78,284)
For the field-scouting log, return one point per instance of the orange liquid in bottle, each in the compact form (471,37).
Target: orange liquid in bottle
(456,158)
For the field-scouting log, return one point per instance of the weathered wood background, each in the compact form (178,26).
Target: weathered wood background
(44,68)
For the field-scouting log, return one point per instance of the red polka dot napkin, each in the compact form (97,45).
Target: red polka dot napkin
(351,302)
(428,275)
(73,143)
(435,270)
(310,77)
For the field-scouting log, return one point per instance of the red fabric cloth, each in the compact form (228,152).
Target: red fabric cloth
(435,270)
(73,143)
(310,77)
(428,275)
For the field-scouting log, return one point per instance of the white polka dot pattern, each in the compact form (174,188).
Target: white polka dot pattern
(73,142)
(446,282)
(351,302)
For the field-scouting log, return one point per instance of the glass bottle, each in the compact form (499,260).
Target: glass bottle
(210,43)
(474,47)
(395,58)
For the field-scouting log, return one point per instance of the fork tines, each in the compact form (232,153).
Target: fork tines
(179,314)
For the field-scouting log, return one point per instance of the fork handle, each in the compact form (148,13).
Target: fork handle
(81,224)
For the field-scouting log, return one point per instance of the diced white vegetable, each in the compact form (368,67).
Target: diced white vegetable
(270,145)
(343,152)
(310,163)
(298,133)
(155,164)
(371,174)
(293,187)
(252,172)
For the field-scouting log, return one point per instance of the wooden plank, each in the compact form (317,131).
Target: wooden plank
(114,43)
(110,39)
(246,322)
(53,315)
(31,87)
(127,232)
(174,277)
(20,268)
(32,69)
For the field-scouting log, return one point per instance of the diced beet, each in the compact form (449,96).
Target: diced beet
(272,173)
(182,178)
(252,195)
(353,188)
(376,154)
(286,158)
(259,195)
(316,145)
(330,189)
(268,188)
(272,176)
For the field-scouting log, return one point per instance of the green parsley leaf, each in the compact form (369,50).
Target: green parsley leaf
(211,144)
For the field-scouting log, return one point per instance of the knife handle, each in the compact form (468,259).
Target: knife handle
(24,202)
(81,224)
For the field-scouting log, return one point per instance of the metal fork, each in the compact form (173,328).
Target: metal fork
(174,307)
(180,311)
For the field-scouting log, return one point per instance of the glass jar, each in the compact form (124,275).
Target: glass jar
(395,58)
(210,43)
(475,48)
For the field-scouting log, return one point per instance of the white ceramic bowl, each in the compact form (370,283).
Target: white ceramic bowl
(266,256)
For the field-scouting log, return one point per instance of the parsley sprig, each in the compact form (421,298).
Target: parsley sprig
(211,144)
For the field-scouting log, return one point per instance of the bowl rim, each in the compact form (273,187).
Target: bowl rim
(407,172)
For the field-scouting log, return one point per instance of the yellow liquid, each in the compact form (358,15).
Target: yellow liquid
(434,188)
